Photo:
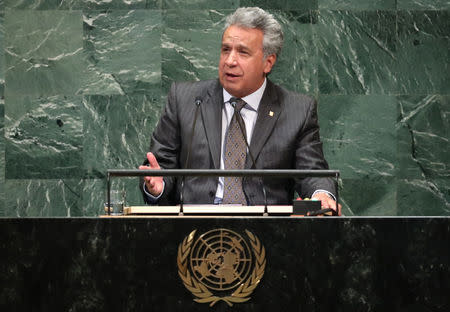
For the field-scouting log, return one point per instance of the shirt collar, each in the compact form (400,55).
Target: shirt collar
(252,100)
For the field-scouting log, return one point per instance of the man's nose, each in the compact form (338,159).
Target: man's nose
(231,59)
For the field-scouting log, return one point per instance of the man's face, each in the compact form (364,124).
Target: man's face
(242,65)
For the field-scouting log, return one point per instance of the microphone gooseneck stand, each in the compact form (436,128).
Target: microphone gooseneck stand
(198,101)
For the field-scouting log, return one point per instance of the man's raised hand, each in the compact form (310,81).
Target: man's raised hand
(154,184)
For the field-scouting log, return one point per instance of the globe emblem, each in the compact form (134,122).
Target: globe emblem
(221,259)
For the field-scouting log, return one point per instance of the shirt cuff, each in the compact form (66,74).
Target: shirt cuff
(324,191)
(150,198)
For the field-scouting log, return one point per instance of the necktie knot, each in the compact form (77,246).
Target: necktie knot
(237,104)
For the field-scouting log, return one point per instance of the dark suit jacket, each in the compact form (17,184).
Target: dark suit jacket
(288,139)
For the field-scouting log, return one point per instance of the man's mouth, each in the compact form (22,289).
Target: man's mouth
(231,75)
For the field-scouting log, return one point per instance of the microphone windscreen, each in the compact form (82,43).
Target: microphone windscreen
(198,100)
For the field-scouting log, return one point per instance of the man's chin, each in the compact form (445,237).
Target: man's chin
(232,88)
(234,91)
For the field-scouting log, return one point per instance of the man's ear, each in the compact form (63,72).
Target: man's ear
(269,61)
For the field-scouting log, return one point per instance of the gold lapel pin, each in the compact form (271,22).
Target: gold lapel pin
(271,114)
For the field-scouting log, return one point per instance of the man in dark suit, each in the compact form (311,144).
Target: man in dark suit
(280,126)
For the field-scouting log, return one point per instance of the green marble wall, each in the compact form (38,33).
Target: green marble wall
(82,83)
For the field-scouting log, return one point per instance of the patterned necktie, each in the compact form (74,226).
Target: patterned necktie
(234,156)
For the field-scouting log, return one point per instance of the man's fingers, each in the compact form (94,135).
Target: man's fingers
(332,205)
(149,180)
(325,204)
(153,163)
(154,184)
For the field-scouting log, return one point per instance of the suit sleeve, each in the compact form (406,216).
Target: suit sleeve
(309,155)
(165,145)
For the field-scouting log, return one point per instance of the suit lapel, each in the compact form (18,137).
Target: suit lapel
(268,113)
(212,119)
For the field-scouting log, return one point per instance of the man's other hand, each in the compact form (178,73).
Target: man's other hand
(154,184)
(327,201)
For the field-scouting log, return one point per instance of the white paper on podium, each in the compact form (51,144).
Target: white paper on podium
(209,209)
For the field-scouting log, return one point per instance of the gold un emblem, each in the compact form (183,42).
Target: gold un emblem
(220,265)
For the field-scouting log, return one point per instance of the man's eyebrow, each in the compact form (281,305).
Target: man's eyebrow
(239,46)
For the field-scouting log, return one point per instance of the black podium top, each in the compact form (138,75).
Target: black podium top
(303,264)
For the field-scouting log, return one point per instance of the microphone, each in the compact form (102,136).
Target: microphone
(233,102)
(198,101)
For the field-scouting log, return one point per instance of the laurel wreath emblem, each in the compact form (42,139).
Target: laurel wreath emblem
(202,293)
